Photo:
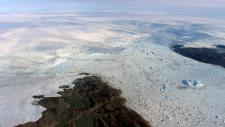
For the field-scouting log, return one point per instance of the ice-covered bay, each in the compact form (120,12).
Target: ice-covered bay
(40,52)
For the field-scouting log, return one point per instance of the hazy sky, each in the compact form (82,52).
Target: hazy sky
(209,6)
(188,3)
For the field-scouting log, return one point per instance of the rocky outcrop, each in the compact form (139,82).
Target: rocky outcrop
(215,55)
(90,103)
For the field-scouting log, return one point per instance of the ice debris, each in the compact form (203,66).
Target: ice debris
(192,83)
(218,117)
(164,87)
(35,102)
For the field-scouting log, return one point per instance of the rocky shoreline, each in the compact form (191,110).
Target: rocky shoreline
(90,103)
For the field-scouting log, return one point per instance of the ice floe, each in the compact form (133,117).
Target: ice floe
(164,87)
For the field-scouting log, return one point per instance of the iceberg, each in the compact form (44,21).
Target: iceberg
(192,83)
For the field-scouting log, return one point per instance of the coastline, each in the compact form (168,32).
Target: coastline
(57,50)
(90,103)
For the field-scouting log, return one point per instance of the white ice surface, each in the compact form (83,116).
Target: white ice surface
(39,53)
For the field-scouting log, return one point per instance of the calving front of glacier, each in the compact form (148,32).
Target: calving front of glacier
(40,52)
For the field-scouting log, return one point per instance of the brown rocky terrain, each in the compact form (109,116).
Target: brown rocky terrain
(90,103)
